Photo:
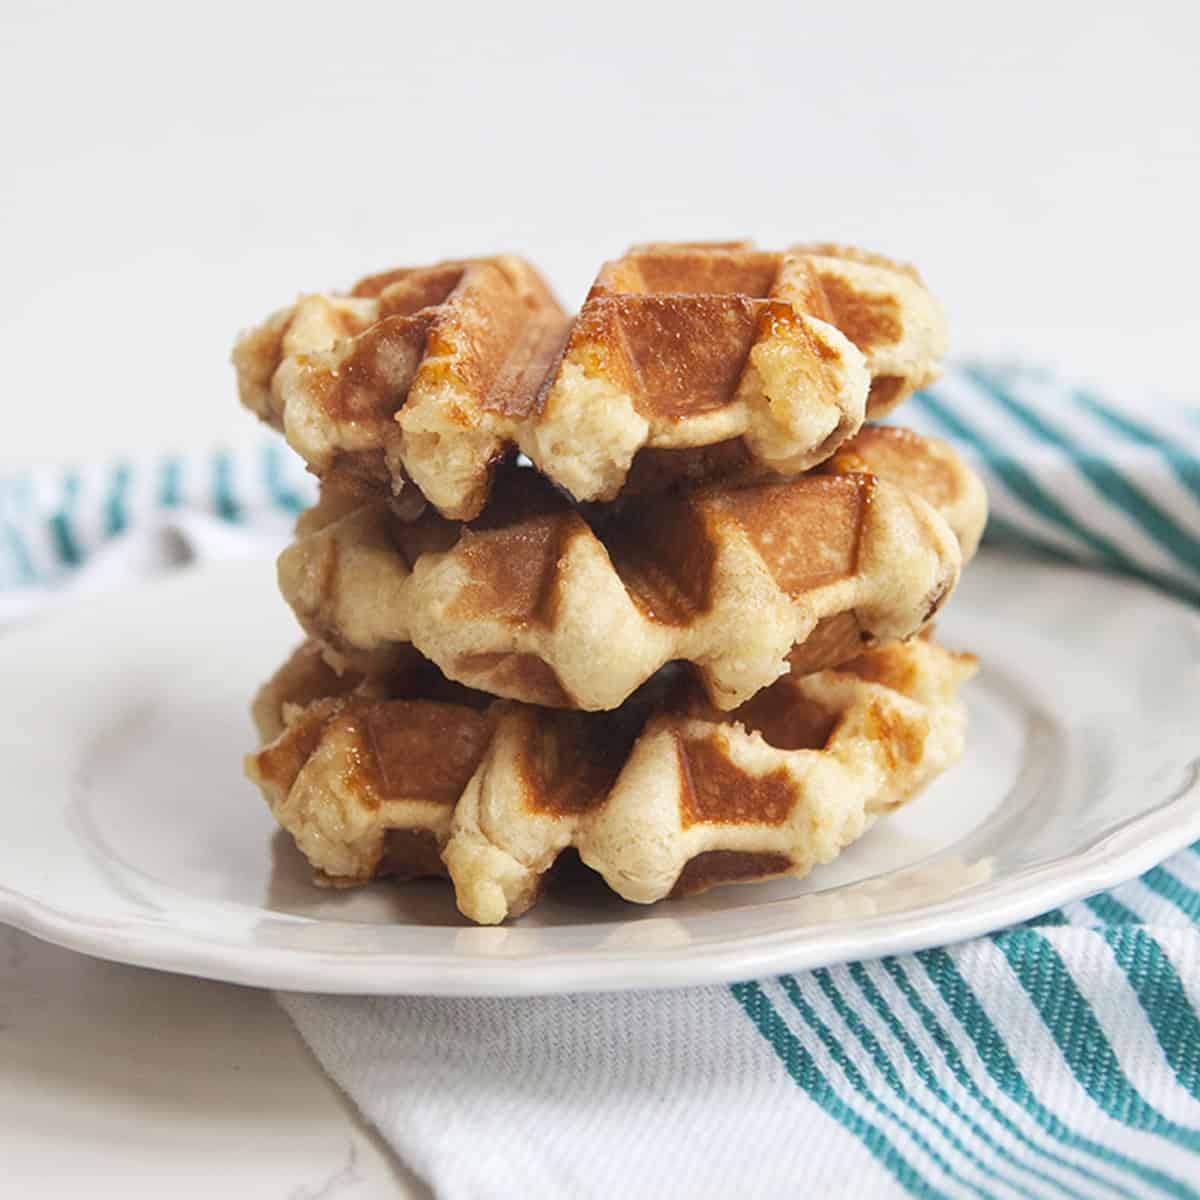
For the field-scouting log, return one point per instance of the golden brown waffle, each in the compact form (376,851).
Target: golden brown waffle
(534,603)
(928,466)
(663,797)
(922,464)
(884,308)
(460,347)
(682,354)
(880,304)
(685,346)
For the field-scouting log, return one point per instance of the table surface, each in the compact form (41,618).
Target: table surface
(1045,182)
(117,1080)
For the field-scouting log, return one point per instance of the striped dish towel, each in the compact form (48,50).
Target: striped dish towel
(1074,474)
(1059,1058)
(79,529)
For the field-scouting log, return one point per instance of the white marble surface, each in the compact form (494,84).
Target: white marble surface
(119,1081)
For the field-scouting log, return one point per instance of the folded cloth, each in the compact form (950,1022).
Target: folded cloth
(1058,1058)
(72,530)
(1100,479)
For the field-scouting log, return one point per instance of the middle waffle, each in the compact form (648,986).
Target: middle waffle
(541,601)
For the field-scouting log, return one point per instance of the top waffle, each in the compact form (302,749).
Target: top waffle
(884,308)
(433,374)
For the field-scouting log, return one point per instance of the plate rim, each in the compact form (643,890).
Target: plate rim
(1123,852)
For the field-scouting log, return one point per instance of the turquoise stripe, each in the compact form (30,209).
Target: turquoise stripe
(273,470)
(884,1065)
(834,1047)
(170,488)
(1109,909)
(1069,1018)
(60,522)
(1012,1083)
(115,519)
(807,1075)
(944,975)
(1055,916)
(1184,467)
(1163,998)
(929,1077)
(223,500)
(1169,887)
(1021,483)
(18,551)
(1104,477)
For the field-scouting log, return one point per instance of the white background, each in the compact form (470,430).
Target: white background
(172,173)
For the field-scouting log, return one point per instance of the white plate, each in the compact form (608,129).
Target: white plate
(129,832)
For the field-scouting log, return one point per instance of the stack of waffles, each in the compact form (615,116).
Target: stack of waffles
(640,583)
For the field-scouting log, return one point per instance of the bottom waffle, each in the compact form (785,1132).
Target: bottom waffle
(664,796)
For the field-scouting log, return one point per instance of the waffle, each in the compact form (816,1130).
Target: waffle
(663,797)
(459,348)
(686,346)
(534,603)
(680,354)
(884,308)
(880,304)
(928,466)
(922,464)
